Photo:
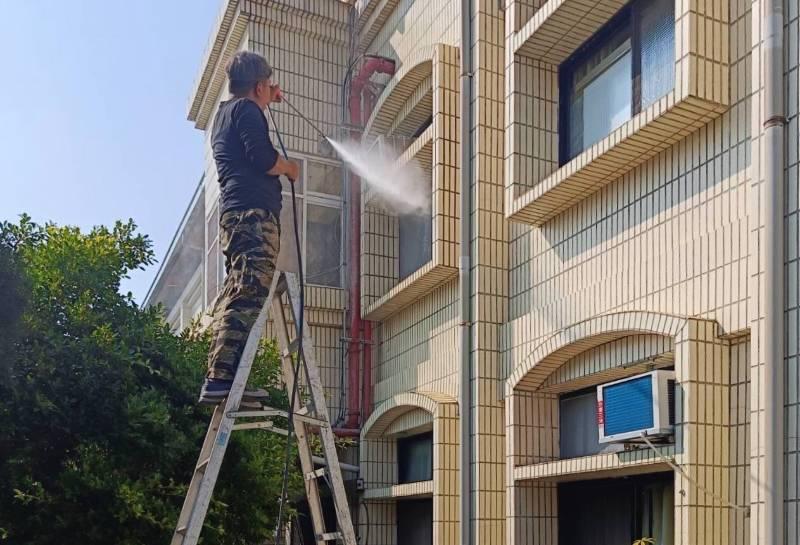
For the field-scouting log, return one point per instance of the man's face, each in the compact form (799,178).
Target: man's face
(265,92)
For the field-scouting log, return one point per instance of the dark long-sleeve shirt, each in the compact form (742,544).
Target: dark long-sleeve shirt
(244,153)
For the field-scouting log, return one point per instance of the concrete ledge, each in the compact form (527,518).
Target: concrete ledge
(597,466)
(419,489)
(663,124)
(426,279)
(559,27)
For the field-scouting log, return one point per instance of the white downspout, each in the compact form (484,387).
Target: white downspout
(465,281)
(774,141)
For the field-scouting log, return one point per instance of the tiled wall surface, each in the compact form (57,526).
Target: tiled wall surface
(435,151)
(659,263)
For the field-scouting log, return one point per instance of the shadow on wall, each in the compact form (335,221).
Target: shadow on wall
(623,205)
(408,359)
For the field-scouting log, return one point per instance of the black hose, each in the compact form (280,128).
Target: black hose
(299,327)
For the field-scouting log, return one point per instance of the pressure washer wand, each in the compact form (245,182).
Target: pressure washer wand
(282,98)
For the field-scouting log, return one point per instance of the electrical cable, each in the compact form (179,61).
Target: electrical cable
(366,532)
(671,463)
(299,327)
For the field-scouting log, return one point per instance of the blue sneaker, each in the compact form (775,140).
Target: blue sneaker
(215,390)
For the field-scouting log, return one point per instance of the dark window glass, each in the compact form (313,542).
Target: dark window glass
(415,458)
(578,424)
(617,511)
(324,245)
(416,231)
(625,67)
(415,522)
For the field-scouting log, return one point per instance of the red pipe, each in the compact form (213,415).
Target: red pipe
(372,65)
(346,432)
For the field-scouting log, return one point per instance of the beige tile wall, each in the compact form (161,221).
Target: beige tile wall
(792,193)
(401,415)
(436,151)
(679,234)
(708,380)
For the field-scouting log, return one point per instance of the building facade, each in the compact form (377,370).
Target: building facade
(613,195)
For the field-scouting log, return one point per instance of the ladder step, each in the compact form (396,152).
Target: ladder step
(202,465)
(319,460)
(282,286)
(316,474)
(329,536)
(181,530)
(266,411)
(291,350)
(263,425)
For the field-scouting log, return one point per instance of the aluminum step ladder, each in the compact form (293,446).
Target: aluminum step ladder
(309,419)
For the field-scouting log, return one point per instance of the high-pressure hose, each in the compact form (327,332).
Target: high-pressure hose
(300,320)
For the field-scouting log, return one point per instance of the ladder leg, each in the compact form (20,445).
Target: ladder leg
(326,435)
(197,478)
(306,463)
(198,497)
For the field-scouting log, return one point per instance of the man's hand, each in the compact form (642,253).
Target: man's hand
(284,167)
(292,171)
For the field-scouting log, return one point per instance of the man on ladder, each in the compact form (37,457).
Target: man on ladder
(248,166)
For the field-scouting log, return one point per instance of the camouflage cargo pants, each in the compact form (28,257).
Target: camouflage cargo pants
(250,241)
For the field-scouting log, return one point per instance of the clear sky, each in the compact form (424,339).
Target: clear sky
(93,103)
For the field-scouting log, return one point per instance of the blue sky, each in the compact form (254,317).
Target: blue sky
(93,113)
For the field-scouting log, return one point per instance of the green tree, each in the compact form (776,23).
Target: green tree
(100,424)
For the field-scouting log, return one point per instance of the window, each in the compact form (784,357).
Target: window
(323,246)
(415,458)
(625,67)
(578,424)
(319,216)
(215,264)
(617,511)
(415,522)
(324,178)
(416,246)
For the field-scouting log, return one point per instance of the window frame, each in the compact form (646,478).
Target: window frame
(316,198)
(628,19)
(305,198)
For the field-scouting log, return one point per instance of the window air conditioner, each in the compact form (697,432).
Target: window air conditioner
(644,404)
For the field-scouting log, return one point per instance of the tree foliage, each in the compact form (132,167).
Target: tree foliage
(100,426)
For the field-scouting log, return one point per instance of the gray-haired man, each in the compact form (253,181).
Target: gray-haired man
(248,167)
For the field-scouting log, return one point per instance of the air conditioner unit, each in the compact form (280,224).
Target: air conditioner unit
(644,404)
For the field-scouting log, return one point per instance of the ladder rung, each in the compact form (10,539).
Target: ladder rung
(181,530)
(320,461)
(268,425)
(316,474)
(202,465)
(329,536)
(311,420)
(291,350)
(267,411)
(282,285)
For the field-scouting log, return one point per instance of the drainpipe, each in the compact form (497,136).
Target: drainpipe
(772,487)
(372,65)
(465,280)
